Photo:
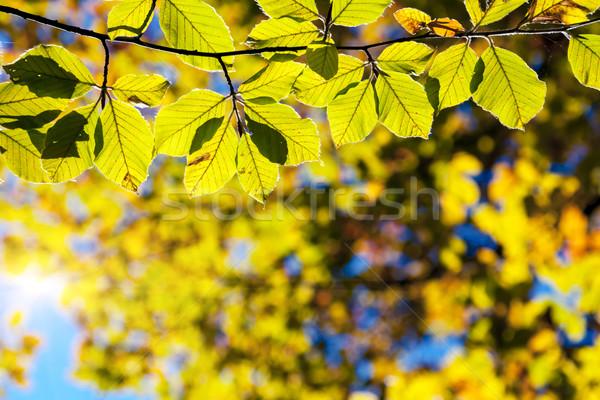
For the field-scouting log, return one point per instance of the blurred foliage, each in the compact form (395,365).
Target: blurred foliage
(497,298)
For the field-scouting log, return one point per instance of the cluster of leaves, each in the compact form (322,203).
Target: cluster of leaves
(47,140)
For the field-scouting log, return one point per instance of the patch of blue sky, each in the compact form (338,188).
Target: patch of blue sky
(430,351)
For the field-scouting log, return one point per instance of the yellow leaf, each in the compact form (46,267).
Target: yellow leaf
(445,27)
(412,20)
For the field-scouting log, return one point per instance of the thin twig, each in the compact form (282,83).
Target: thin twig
(328,21)
(232,92)
(104,92)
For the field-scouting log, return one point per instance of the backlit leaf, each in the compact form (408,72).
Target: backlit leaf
(52,71)
(561,11)
(357,12)
(449,80)
(129,18)
(403,105)
(274,81)
(504,85)
(584,57)
(22,150)
(194,25)
(257,175)
(322,57)
(407,57)
(19,108)
(313,90)
(145,90)
(353,115)
(496,10)
(69,144)
(445,27)
(128,145)
(272,123)
(211,164)
(301,9)
(282,32)
(412,20)
(179,123)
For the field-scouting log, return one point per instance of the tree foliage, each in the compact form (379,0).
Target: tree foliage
(122,146)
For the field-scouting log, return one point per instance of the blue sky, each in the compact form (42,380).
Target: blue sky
(50,373)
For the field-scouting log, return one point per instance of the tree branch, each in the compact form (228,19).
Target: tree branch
(142,43)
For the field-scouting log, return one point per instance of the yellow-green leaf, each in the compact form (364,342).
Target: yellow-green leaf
(313,90)
(257,175)
(273,122)
(449,80)
(52,71)
(22,150)
(403,105)
(584,57)
(322,57)
(496,10)
(194,25)
(19,108)
(504,85)
(273,81)
(129,18)
(70,142)
(353,115)
(407,57)
(144,90)
(282,32)
(211,164)
(357,12)
(179,123)
(128,145)
(299,9)
(561,11)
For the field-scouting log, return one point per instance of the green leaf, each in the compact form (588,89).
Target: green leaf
(128,145)
(315,91)
(257,175)
(408,57)
(146,90)
(353,115)
(282,32)
(178,124)
(357,12)
(496,10)
(19,108)
(194,25)
(322,57)
(22,150)
(275,122)
(300,9)
(561,11)
(504,85)
(129,18)
(70,142)
(273,81)
(584,57)
(52,71)
(449,80)
(212,164)
(403,105)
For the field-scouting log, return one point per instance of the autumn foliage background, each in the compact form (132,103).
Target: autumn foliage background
(499,297)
